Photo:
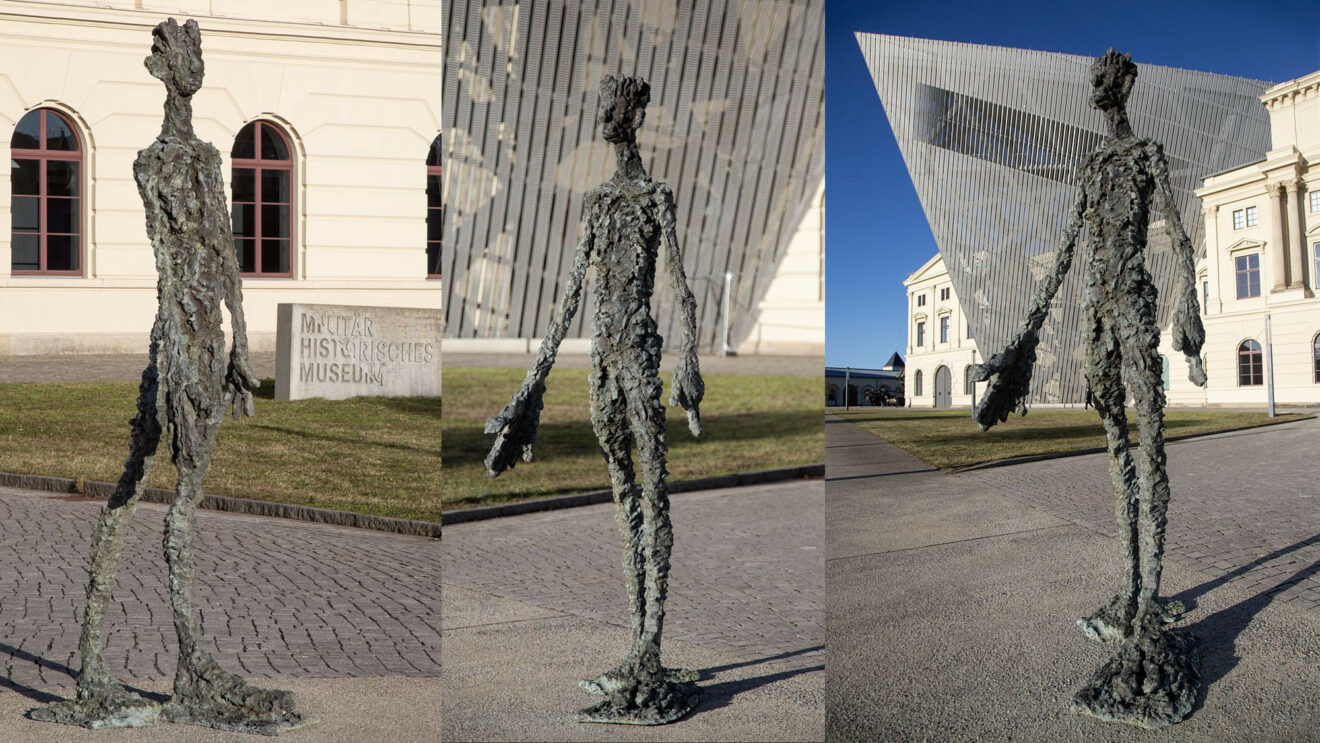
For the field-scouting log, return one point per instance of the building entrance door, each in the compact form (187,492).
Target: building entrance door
(943,388)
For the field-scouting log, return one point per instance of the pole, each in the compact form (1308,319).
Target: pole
(847,372)
(728,290)
(1269,367)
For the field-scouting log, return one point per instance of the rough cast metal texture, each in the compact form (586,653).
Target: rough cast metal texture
(625,222)
(736,126)
(184,392)
(1153,679)
(992,138)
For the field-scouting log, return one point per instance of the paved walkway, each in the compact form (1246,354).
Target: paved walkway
(277,598)
(542,594)
(952,597)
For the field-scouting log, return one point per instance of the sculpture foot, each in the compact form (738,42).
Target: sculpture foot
(221,700)
(1151,682)
(1113,621)
(656,702)
(619,678)
(107,705)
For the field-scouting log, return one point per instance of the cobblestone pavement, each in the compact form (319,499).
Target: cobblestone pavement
(748,568)
(276,597)
(798,366)
(118,367)
(1245,506)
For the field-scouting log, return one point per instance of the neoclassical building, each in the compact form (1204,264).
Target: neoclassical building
(1262,226)
(940,347)
(327,114)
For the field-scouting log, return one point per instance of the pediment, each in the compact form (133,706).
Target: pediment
(1244,244)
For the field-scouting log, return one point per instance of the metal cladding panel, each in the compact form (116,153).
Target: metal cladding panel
(735,127)
(992,137)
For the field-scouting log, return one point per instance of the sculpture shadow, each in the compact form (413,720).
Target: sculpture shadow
(45,697)
(714,696)
(1219,631)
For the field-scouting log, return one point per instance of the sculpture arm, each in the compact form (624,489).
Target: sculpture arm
(240,380)
(515,426)
(1012,366)
(688,387)
(1187,328)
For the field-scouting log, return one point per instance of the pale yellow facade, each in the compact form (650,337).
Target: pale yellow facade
(1280,245)
(791,316)
(356,86)
(939,341)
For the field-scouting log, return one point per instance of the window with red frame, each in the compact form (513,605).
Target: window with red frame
(262,197)
(434,211)
(1250,364)
(45,171)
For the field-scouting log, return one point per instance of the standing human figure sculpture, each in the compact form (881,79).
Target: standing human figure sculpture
(184,392)
(625,221)
(1153,679)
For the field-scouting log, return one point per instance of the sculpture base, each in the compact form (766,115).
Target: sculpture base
(1111,623)
(1151,683)
(239,707)
(643,704)
(619,678)
(111,706)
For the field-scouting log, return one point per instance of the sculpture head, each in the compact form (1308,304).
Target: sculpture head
(1113,76)
(622,107)
(176,56)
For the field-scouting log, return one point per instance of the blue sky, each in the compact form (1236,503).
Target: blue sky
(875,231)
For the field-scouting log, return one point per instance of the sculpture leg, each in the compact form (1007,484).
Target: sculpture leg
(1153,679)
(654,695)
(101,701)
(204,693)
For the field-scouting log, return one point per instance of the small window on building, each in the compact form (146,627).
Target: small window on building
(262,186)
(1164,371)
(45,203)
(1238,220)
(831,394)
(916,384)
(1248,275)
(1251,365)
(1251,216)
(944,294)
(921,300)
(921,334)
(1205,297)
(969,330)
(1315,201)
(434,211)
(944,329)
(1315,357)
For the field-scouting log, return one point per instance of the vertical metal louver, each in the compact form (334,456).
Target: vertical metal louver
(735,127)
(992,136)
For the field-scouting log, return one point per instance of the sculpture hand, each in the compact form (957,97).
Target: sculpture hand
(688,390)
(515,427)
(1011,369)
(239,381)
(1189,336)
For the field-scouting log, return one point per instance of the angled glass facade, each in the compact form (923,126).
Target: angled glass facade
(991,137)
(735,126)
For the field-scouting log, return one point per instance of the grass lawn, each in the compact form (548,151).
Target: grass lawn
(373,455)
(950,438)
(750,423)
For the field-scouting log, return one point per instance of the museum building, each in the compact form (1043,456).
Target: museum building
(1262,260)
(326,114)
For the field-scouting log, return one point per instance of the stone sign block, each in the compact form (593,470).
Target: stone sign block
(341,351)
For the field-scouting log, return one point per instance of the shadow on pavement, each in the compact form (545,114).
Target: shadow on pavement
(44,697)
(719,695)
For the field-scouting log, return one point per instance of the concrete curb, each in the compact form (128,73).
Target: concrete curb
(245,506)
(803,472)
(1101,449)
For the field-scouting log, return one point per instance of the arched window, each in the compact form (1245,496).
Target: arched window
(1315,356)
(866,394)
(263,200)
(45,171)
(434,211)
(916,384)
(969,387)
(831,394)
(1251,366)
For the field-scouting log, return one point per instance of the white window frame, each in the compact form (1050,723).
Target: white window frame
(1253,216)
(1239,220)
